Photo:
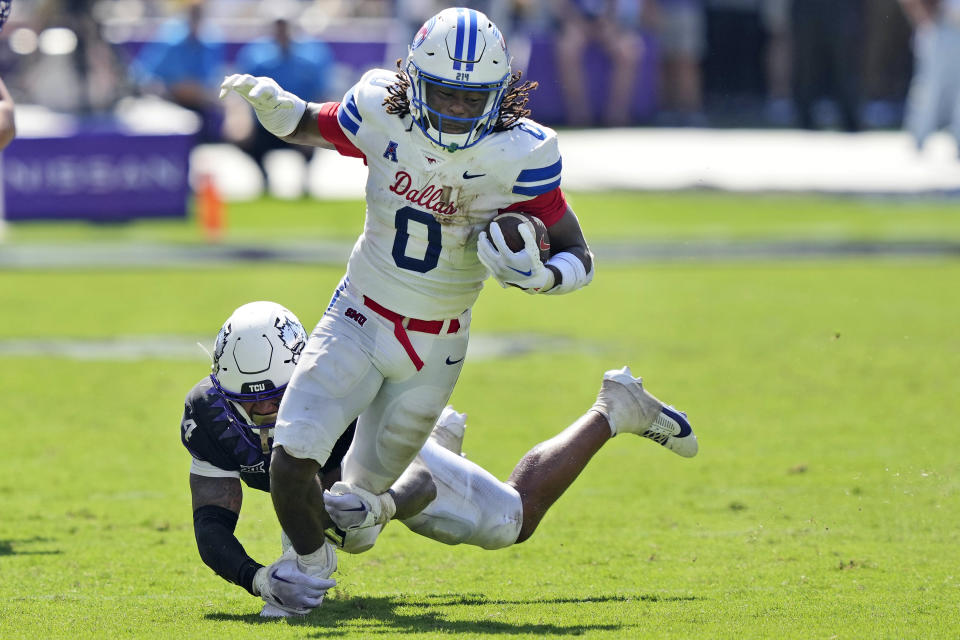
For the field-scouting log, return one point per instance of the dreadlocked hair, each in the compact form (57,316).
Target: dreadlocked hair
(514,105)
(512,109)
(397,103)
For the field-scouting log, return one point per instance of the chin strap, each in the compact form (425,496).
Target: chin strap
(265,440)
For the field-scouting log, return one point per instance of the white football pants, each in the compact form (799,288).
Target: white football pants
(354,366)
(472,507)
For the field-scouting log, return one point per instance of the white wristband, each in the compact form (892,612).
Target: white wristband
(573,275)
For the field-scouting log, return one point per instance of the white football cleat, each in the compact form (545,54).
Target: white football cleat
(449,430)
(630,408)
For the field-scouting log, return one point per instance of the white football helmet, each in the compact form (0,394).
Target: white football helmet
(254,356)
(462,50)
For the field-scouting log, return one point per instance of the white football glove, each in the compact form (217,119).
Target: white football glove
(284,586)
(351,507)
(523,268)
(279,111)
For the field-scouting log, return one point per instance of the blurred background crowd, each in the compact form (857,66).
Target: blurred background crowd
(848,65)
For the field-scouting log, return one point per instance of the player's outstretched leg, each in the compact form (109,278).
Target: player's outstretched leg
(628,407)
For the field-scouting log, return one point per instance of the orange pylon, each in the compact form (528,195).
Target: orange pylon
(211,212)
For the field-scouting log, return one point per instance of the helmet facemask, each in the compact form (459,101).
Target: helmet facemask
(449,131)
(238,413)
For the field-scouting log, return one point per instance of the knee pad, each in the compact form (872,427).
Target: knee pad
(471,507)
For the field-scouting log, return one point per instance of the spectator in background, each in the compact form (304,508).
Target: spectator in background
(185,65)
(934,98)
(733,68)
(614,25)
(682,36)
(96,68)
(303,67)
(775,16)
(8,129)
(887,63)
(827,41)
(530,17)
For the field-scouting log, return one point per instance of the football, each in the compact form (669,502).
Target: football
(509,224)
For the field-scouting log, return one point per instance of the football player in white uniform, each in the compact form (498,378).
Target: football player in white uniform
(227,426)
(448,146)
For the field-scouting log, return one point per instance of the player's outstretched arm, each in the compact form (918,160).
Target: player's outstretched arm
(216,508)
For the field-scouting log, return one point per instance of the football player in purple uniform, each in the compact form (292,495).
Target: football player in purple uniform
(448,147)
(227,426)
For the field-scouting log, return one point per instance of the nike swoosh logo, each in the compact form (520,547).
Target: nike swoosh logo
(526,274)
(354,509)
(544,245)
(467,176)
(449,361)
(273,574)
(685,429)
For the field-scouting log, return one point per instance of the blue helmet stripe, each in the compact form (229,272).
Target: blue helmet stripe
(458,51)
(472,46)
(537,190)
(543,173)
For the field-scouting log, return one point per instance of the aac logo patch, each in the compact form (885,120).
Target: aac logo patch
(391,152)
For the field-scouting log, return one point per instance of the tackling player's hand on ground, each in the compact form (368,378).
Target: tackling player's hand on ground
(522,269)
(285,586)
(351,507)
(278,110)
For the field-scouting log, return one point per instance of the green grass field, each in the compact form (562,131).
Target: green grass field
(823,503)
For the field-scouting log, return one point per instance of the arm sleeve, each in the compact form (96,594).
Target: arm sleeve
(549,206)
(219,548)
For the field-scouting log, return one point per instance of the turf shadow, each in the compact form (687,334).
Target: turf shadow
(371,616)
(479,599)
(7,547)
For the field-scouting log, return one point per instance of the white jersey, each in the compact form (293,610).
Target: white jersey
(425,206)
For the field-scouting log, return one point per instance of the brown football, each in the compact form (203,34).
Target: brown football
(509,224)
